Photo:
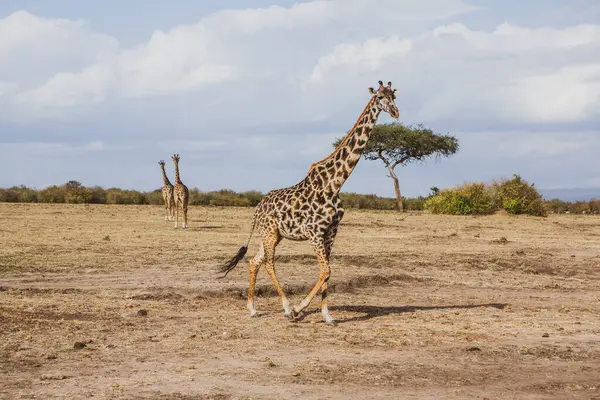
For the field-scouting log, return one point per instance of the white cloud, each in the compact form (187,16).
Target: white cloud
(567,94)
(507,37)
(309,62)
(224,47)
(65,89)
(32,48)
(509,74)
(360,57)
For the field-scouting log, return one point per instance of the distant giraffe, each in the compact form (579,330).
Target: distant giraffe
(167,192)
(311,210)
(181,194)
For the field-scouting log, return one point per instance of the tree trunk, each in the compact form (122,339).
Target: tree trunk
(396,188)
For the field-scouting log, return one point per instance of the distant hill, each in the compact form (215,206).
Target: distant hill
(575,194)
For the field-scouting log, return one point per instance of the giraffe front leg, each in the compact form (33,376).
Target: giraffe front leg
(176,215)
(269,247)
(287,308)
(323,278)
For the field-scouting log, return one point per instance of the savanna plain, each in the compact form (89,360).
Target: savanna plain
(106,301)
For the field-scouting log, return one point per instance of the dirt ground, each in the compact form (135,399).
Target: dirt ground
(112,302)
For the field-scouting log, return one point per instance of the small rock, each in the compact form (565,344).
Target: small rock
(53,377)
(270,363)
(226,335)
(79,346)
(545,335)
(474,348)
(142,313)
(51,356)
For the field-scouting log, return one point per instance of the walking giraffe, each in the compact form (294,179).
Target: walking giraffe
(167,192)
(181,194)
(311,210)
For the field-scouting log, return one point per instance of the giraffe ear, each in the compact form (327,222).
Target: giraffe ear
(372,91)
(395,91)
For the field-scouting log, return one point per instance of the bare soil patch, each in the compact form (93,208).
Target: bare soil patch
(111,302)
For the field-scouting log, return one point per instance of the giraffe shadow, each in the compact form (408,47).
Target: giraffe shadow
(370,312)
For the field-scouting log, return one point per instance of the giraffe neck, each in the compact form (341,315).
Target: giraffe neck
(332,172)
(165,178)
(177,180)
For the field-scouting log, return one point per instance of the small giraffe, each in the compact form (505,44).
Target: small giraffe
(181,194)
(311,210)
(167,192)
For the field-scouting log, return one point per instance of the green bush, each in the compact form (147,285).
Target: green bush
(76,193)
(467,199)
(367,201)
(52,194)
(97,195)
(517,196)
(414,204)
(578,207)
(9,195)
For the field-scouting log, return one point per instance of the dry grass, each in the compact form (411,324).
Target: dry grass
(494,307)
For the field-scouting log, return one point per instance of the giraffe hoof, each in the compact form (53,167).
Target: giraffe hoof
(291,315)
(331,322)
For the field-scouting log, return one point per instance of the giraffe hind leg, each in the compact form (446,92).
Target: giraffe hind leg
(329,239)
(185,210)
(255,265)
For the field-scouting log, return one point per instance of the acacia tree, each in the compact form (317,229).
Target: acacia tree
(397,144)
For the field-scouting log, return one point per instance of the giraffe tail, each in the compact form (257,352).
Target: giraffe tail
(233,262)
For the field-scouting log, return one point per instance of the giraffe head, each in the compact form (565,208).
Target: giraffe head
(161,163)
(175,158)
(386,98)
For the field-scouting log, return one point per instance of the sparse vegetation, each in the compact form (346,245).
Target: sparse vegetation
(75,192)
(470,198)
(515,196)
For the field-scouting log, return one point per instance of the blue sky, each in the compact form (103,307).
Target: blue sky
(250,93)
